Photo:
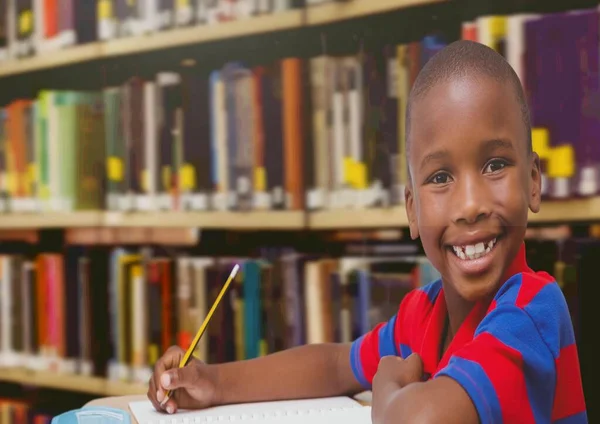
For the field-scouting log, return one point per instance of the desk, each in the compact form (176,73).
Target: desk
(122,402)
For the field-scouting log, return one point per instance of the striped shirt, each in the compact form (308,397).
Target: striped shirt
(516,357)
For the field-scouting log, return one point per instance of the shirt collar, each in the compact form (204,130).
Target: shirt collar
(432,338)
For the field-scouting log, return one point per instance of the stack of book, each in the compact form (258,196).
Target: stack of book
(114,313)
(557,58)
(318,133)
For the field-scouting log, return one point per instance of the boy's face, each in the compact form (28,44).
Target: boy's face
(472,182)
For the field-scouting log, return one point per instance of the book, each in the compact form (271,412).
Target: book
(324,410)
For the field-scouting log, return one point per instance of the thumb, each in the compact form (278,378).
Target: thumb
(176,378)
(415,364)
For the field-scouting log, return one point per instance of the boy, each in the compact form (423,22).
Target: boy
(492,341)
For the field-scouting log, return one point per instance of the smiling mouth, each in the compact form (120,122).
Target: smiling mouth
(474,251)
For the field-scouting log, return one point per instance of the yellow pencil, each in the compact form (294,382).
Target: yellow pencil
(192,347)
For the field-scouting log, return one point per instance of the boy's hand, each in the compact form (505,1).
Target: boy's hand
(393,373)
(195,384)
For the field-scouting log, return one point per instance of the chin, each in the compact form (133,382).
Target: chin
(478,275)
(473,292)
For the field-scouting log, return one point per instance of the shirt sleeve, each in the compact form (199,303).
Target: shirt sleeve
(368,349)
(518,366)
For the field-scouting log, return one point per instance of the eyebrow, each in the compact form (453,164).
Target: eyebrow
(498,143)
(440,154)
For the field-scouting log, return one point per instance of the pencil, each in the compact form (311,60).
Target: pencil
(192,347)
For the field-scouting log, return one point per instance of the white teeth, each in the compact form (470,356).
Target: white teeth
(474,251)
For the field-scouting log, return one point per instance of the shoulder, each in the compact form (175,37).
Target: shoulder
(417,304)
(413,314)
(422,298)
(535,297)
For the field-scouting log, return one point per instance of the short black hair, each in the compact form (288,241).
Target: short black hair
(462,59)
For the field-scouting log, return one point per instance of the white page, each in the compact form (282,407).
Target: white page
(145,413)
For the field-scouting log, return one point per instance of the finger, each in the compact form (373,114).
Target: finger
(391,369)
(414,359)
(389,363)
(170,406)
(169,360)
(185,377)
(152,395)
(415,363)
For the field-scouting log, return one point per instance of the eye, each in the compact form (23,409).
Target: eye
(495,165)
(440,178)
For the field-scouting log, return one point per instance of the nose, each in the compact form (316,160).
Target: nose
(471,200)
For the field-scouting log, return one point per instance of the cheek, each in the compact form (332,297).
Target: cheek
(431,220)
(510,194)
(431,207)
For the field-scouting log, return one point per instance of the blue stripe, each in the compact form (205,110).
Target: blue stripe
(513,327)
(550,312)
(405,350)
(432,290)
(580,418)
(387,345)
(507,294)
(356,363)
(472,377)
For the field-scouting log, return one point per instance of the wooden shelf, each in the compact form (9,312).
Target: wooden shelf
(70,56)
(568,211)
(292,19)
(340,11)
(267,220)
(75,383)
(50,220)
(276,220)
(358,218)
(551,211)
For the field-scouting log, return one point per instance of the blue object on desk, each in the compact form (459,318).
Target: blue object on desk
(93,415)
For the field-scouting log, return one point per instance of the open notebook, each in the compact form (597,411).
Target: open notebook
(314,411)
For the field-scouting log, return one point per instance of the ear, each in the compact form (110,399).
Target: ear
(535,193)
(411,212)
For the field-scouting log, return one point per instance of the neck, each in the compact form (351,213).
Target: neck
(458,310)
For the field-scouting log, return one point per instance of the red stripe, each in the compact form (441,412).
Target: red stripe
(493,305)
(504,367)
(568,398)
(369,353)
(530,287)
(415,304)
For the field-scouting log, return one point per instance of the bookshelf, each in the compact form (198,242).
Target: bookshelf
(82,384)
(551,212)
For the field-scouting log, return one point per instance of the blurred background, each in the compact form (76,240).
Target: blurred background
(148,145)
